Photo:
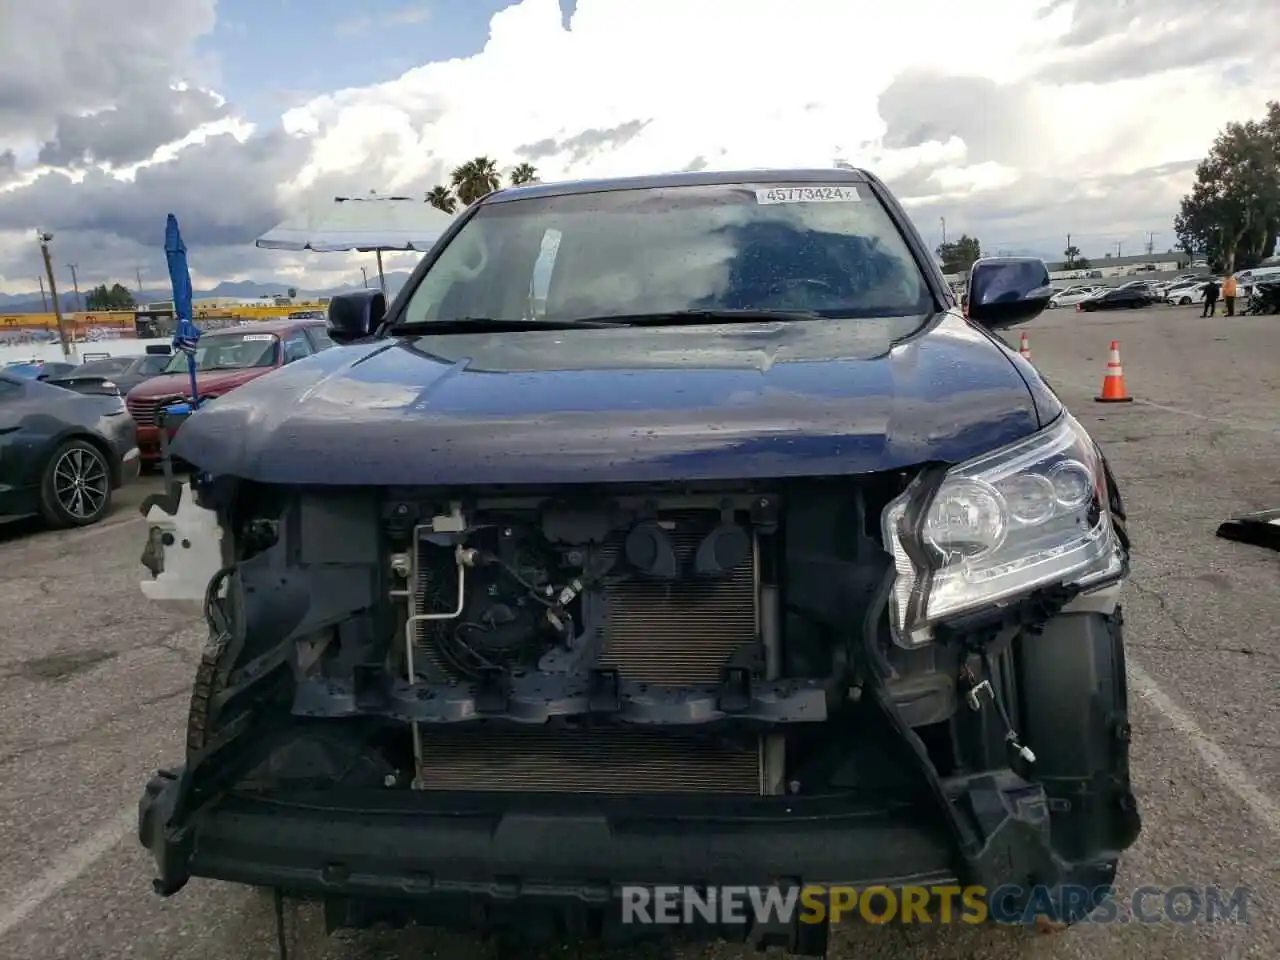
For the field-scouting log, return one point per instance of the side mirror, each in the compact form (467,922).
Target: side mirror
(1007,291)
(354,316)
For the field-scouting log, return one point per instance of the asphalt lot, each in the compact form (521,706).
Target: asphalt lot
(93,689)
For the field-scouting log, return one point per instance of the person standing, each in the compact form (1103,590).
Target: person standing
(1229,294)
(1210,298)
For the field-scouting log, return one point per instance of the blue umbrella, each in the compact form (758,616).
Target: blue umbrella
(187,334)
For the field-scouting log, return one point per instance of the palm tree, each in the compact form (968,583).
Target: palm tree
(475,178)
(442,199)
(523,173)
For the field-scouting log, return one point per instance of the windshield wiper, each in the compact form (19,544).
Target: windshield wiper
(490,324)
(678,318)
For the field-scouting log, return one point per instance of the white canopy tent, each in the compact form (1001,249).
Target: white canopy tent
(363,224)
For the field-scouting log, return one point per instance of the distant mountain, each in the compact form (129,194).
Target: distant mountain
(13,303)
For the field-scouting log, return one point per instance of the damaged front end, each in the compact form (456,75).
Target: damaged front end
(521,700)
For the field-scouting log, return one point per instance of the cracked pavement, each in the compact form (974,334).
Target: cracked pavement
(94,685)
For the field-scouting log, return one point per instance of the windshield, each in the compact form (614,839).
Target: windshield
(230,353)
(152,364)
(816,248)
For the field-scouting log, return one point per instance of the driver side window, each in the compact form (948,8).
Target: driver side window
(296,346)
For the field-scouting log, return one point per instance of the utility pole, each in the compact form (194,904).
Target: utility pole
(137,272)
(76,284)
(1119,247)
(1071,261)
(364,272)
(1151,243)
(44,301)
(45,239)
(944,231)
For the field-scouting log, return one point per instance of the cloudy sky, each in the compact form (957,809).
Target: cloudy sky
(1017,120)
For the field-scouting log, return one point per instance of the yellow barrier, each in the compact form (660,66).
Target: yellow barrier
(124,318)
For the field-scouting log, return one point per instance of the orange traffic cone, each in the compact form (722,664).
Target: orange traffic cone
(1113,390)
(1024,347)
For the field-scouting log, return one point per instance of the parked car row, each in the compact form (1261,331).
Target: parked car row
(1090,297)
(70,435)
(225,359)
(1128,296)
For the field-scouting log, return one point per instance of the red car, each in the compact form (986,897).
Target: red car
(224,360)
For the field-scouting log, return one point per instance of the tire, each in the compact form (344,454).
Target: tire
(76,467)
(1184,302)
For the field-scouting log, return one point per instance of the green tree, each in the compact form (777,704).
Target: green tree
(1081,263)
(441,198)
(117,297)
(474,179)
(523,173)
(1232,214)
(959,255)
(1070,256)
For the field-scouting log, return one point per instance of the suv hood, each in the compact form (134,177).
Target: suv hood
(633,404)
(213,381)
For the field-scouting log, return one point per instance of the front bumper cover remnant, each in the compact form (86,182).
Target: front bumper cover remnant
(408,846)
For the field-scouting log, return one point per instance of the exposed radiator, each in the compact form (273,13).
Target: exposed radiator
(596,761)
(683,631)
(674,632)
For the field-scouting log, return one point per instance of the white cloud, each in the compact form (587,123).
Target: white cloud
(768,82)
(998,116)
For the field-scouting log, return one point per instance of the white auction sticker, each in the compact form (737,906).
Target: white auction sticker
(257,336)
(809,193)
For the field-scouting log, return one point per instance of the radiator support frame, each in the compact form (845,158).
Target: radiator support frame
(736,694)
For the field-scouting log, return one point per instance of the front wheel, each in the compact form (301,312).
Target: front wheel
(75,490)
(1184,302)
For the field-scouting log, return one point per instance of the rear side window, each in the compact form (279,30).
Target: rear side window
(297,346)
(319,337)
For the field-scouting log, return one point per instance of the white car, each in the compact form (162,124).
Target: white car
(1181,280)
(1072,295)
(1245,279)
(1183,294)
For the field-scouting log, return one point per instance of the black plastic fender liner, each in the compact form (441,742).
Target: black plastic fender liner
(999,821)
(1256,529)
(1075,715)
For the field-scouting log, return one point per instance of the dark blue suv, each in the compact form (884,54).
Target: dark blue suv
(676,530)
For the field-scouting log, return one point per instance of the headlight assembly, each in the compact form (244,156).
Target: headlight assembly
(1028,515)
